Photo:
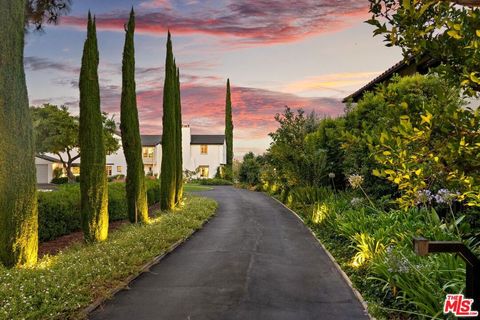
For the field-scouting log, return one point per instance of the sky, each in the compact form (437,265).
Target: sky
(307,54)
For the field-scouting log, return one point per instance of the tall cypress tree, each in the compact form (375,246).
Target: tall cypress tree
(129,126)
(169,155)
(93,176)
(179,162)
(18,200)
(229,132)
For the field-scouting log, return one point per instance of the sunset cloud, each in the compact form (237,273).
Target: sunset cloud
(203,108)
(337,82)
(253,109)
(260,22)
(203,100)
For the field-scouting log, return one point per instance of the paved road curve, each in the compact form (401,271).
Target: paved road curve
(254,260)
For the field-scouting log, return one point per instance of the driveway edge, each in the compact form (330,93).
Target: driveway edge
(342,273)
(83,314)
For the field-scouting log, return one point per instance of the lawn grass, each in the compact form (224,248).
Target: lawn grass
(62,285)
(192,187)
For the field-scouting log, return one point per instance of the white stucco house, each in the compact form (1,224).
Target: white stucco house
(202,154)
(45,166)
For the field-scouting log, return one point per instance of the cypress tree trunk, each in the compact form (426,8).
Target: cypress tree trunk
(168,169)
(229,133)
(178,114)
(129,126)
(18,200)
(93,176)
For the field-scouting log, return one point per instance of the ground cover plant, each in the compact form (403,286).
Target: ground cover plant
(61,285)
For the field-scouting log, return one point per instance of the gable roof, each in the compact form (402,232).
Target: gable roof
(47,158)
(151,140)
(403,68)
(207,139)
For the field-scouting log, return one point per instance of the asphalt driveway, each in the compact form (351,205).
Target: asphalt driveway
(254,260)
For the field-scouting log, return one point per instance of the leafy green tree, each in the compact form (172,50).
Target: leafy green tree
(179,162)
(326,142)
(56,131)
(430,141)
(229,133)
(129,125)
(18,200)
(249,172)
(448,31)
(93,182)
(169,155)
(39,12)
(287,153)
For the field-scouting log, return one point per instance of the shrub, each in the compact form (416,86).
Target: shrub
(212,182)
(57,172)
(118,177)
(310,195)
(153,191)
(249,172)
(59,211)
(59,180)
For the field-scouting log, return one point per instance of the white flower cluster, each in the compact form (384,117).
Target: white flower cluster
(356,201)
(355,180)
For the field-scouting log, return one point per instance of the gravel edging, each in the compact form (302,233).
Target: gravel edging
(342,273)
(83,314)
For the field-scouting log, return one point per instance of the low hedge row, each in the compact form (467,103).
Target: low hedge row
(59,211)
(212,182)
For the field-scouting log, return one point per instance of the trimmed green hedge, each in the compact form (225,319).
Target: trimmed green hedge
(212,182)
(59,211)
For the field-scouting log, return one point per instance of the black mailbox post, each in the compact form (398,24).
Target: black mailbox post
(423,247)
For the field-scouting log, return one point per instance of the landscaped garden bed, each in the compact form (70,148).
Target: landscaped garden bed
(373,245)
(58,287)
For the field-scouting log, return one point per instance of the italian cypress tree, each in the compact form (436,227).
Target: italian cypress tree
(93,176)
(129,126)
(229,133)
(169,155)
(178,114)
(18,201)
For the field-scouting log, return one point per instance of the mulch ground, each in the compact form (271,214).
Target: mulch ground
(55,246)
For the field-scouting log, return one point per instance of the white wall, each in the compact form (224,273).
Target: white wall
(40,164)
(192,157)
(212,159)
(117,159)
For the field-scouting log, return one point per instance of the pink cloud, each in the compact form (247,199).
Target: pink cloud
(260,22)
(203,108)
(253,109)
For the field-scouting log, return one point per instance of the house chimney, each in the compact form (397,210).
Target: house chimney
(186,139)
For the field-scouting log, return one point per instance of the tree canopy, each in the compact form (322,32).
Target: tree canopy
(39,12)
(56,131)
(129,125)
(448,31)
